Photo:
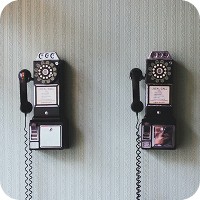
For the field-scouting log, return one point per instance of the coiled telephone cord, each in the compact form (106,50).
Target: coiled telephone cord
(138,160)
(28,166)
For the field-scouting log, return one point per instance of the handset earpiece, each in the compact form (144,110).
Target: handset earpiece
(24,77)
(136,76)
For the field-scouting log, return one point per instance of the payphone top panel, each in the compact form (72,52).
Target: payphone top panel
(159,68)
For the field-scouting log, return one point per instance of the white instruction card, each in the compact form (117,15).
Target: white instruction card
(46,95)
(159,94)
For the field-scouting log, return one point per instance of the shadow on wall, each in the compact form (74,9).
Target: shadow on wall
(69,98)
(184,107)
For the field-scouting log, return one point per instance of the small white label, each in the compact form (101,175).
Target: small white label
(46,95)
(47,56)
(159,94)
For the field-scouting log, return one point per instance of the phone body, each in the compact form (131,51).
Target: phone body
(158,125)
(47,129)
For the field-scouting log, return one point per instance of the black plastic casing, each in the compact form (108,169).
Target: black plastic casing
(158,124)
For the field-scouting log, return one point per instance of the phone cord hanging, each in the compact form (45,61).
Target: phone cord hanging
(138,160)
(28,167)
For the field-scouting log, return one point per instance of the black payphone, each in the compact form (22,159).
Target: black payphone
(158,124)
(47,128)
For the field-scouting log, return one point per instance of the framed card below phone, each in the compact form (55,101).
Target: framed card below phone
(159,95)
(47,95)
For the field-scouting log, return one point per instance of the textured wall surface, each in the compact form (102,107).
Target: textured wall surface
(102,40)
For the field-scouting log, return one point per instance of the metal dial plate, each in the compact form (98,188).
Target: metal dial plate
(159,71)
(45,72)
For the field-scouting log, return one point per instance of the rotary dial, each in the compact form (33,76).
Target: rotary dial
(159,71)
(45,72)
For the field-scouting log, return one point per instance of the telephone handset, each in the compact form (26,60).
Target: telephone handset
(136,76)
(158,124)
(47,127)
(24,78)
